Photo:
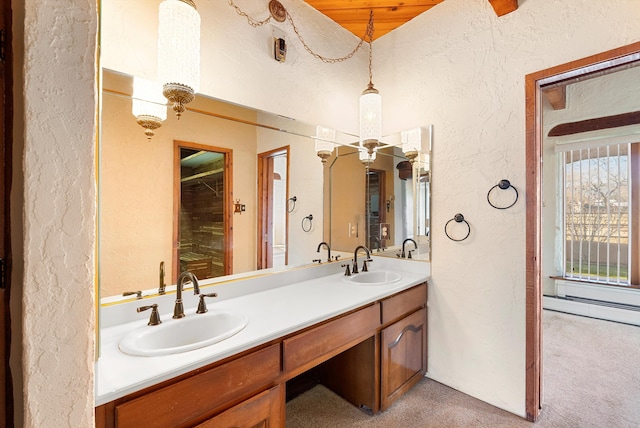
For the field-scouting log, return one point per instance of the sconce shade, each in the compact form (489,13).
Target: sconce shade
(370,118)
(179,52)
(367,158)
(324,140)
(148,105)
(412,143)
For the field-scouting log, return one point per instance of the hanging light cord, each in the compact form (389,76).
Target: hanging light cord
(367,36)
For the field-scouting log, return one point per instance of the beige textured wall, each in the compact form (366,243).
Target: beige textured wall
(462,68)
(59,212)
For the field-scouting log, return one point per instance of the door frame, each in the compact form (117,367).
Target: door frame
(228,200)
(265,205)
(534,198)
(6,170)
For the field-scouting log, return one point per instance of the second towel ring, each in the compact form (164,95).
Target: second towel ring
(458,218)
(291,204)
(504,185)
(310,218)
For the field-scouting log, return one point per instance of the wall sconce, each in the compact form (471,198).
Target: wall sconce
(413,143)
(389,203)
(179,52)
(367,158)
(238,207)
(325,142)
(148,105)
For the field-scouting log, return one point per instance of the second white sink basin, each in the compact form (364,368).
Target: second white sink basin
(378,277)
(180,335)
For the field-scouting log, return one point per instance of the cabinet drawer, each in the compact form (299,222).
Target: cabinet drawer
(404,303)
(180,403)
(314,346)
(263,410)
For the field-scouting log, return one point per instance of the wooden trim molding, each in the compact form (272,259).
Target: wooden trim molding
(502,7)
(597,123)
(533,84)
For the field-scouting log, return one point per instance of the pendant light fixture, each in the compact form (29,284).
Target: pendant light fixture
(148,105)
(179,52)
(325,138)
(370,104)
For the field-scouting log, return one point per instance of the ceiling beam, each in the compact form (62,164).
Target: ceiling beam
(557,97)
(606,122)
(502,7)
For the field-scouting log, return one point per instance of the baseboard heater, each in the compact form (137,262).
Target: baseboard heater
(598,302)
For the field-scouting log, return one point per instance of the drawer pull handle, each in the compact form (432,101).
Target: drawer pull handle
(411,327)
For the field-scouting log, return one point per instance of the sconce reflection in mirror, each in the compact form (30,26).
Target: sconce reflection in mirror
(458,218)
(503,185)
(238,207)
(309,218)
(291,204)
(389,203)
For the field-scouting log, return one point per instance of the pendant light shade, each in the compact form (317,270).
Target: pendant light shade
(370,118)
(179,52)
(370,104)
(148,105)
(324,140)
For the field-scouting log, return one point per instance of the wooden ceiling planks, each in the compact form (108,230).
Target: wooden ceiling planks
(388,15)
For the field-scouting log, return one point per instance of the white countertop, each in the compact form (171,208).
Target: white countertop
(275,312)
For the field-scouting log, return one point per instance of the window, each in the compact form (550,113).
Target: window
(597,213)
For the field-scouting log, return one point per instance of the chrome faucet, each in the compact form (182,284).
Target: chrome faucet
(178,309)
(415,247)
(162,285)
(354,269)
(328,250)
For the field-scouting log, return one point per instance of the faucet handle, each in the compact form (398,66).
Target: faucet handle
(347,272)
(202,306)
(409,253)
(154,319)
(354,266)
(365,268)
(138,294)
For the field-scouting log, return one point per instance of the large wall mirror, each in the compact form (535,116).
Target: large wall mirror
(190,196)
(213,191)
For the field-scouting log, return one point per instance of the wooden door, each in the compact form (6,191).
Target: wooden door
(6,112)
(268,198)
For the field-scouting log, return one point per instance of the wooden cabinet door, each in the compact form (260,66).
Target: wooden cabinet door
(264,410)
(403,357)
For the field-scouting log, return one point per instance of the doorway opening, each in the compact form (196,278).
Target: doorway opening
(273,215)
(202,220)
(534,84)
(375,210)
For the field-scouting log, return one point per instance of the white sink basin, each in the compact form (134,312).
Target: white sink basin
(378,277)
(180,335)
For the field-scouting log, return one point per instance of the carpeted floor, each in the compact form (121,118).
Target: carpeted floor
(591,379)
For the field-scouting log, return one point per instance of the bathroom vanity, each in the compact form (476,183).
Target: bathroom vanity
(368,343)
